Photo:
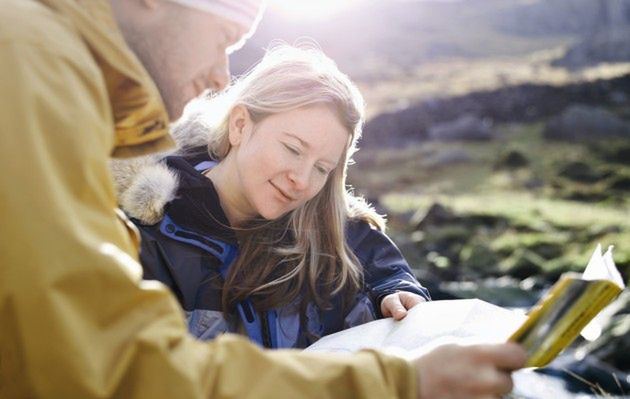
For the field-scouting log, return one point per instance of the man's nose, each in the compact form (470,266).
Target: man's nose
(220,75)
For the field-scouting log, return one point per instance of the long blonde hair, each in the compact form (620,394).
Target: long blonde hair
(303,254)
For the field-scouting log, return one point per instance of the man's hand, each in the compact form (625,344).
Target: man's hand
(397,304)
(477,371)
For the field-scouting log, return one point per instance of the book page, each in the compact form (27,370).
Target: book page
(602,267)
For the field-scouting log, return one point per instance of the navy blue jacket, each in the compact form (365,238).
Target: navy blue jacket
(191,249)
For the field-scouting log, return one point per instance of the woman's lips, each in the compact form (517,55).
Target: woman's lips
(283,193)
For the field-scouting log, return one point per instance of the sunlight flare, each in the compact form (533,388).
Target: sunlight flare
(308,9)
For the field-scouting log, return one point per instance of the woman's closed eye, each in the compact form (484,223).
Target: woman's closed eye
(324,171)
(293,150)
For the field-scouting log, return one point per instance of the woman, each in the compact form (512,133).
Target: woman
(251,224)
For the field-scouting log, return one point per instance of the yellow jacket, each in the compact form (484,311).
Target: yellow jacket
(76,321)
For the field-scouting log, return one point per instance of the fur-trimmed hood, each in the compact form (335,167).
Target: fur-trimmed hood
(145,185)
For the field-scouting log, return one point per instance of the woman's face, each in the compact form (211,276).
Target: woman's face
(286,159)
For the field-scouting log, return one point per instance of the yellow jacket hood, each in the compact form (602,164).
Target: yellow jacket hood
(139,115)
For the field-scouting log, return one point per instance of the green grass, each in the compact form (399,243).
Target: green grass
(410,180)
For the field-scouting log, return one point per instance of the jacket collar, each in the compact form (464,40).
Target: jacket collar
(196,205)
(139,115)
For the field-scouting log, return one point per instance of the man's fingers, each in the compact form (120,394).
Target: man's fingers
(508,356)
(504,383)
(489,380)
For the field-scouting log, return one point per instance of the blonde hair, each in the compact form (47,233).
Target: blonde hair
(302,254)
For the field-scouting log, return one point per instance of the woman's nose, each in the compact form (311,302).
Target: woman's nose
(300,176)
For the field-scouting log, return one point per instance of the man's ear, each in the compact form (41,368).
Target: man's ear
(150,3)
(239,123)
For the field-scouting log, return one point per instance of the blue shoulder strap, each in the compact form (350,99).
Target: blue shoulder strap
(201,166)
(251,320)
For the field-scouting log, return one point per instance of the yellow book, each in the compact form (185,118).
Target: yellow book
(557,319)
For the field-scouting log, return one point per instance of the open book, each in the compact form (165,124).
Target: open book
(567,309)
(548,328)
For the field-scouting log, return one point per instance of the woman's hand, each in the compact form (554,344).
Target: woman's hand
(397,304)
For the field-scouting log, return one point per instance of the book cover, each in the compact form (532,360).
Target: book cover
(557,319)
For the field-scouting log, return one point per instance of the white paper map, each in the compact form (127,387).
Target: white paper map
(427,325)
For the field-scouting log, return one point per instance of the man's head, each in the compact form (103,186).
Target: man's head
(184,44)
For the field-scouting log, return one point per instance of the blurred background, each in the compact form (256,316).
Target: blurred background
(497,140)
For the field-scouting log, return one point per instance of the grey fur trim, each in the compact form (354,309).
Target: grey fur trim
(145,185)
(189,133)
(149,192)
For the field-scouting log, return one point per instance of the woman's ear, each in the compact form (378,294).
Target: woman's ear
(238,124)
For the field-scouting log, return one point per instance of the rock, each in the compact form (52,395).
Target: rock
(446,240)
(502,291)
(613,346)
(482,221)
(511,160)
(523,104)
(466,127)
(449,157)
(618,98)
(581,172)
(598,231)
(621,183)
(621,155)
(436,215)
(585,122)
(523,263)
(584,195)
(606,46)
(480,258)
(617,152)
(547,250)
(534,183)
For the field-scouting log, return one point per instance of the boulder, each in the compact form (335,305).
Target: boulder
(523,263)
(480,258)
(613,346)
(436,215)
(610,45)
(449,157)
(621,154)
(580,172)
(621,183)
(511,160)
(585,122)
(466,127)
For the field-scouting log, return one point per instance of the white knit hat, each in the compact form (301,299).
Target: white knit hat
(244,12)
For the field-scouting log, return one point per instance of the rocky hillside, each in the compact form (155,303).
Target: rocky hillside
(464,117)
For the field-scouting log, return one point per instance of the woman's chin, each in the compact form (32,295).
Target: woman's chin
(269,214)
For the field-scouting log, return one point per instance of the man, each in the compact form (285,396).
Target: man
(76,321)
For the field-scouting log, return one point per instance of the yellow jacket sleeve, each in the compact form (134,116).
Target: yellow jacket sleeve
(76,321)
